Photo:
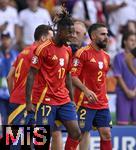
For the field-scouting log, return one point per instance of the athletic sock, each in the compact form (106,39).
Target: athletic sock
(105,145)
(71,144)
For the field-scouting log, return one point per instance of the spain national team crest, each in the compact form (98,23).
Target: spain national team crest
(76,62)
(34,59)
(45,121)
(61,61)
(82,123)
(100,64)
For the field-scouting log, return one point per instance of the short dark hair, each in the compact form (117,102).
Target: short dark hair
(41,30)
(126,35)
(94,27)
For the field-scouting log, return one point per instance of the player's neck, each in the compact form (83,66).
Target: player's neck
(95,46)
(57,41)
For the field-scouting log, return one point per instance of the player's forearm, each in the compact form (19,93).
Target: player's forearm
(10,79)
(10,84)
(77,83)
(69,86)
(29,85)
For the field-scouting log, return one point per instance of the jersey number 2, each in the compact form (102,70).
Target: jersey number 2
(99,76)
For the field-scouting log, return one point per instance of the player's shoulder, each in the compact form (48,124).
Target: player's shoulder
(106,54)
(42,46)
(25,51)
(82,50)
(68,48)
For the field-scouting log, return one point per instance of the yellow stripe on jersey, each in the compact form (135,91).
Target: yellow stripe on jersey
(25,52)
(13,115)
(105,52)
(40,48)
(80,100)
(67,56)
(81,50)
(41,99)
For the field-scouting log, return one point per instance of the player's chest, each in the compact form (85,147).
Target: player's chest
(97,63)
(57,58)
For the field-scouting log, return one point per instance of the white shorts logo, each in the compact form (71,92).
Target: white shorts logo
(34,60)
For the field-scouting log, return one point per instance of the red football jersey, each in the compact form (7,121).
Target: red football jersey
(22,66)
(91,67)
(53,63)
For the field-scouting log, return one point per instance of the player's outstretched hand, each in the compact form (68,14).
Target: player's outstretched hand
(91,96)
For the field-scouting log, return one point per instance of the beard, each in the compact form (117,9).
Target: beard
(101,44)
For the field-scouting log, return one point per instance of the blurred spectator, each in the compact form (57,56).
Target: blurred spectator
(120,11)
(112,48)
(12,3)
(29,19)
(7,57)
(21,4)
(99,4)
(78,40)
(69,4)
(129,60)
(48,4)
(8,19)
(129,26)
(86,11)
(126,82)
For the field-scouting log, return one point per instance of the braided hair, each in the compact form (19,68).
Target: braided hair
(63,19)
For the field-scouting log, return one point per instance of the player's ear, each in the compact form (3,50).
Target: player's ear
(93,35)
(43,38)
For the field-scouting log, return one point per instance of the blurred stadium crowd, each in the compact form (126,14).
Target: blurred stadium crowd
(19,18)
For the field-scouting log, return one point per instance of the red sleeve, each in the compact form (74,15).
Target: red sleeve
(77,64)
(38,57)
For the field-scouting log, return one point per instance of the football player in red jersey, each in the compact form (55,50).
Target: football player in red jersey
(89,69)
(18,75)
(77,41)
(51,63)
